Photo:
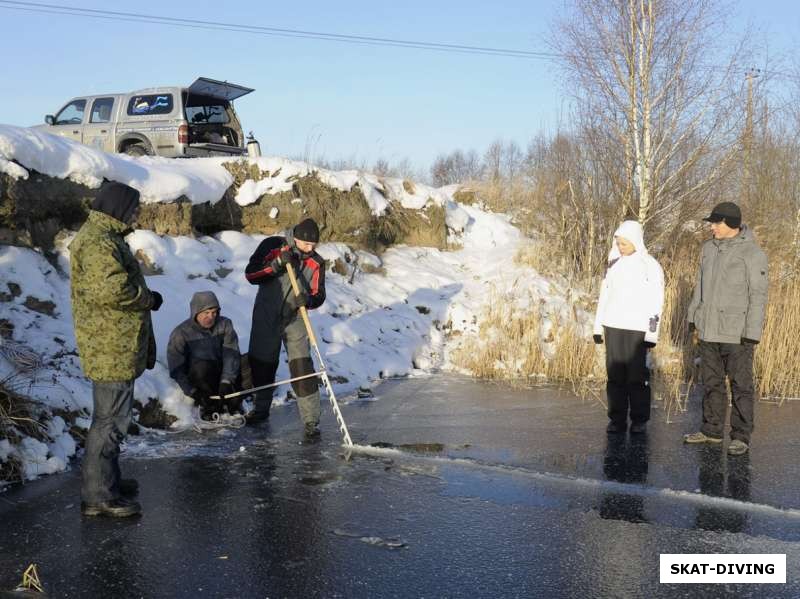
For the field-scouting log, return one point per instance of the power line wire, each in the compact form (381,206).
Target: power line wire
(37,7)
(271,31)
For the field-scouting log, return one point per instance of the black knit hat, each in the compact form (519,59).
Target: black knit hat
(307,231)
(117,200)
(728,212)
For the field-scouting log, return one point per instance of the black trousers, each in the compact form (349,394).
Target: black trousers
(263,373)
(734,361)
(628,389)
(206,375)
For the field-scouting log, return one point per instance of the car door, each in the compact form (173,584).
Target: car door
(69,120)
(97,132)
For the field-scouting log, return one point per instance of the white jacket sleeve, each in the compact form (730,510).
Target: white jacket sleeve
(655,300)
(601,308)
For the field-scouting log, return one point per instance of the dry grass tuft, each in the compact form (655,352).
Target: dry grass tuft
(17,420)
(777,377)
(673,371)
(527,344)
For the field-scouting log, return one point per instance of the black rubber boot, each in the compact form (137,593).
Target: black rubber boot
(261,411)
(616,428)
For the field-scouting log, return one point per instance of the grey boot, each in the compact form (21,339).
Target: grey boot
(311,431)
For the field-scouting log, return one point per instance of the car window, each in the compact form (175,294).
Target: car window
(101,110)
(207,113)
(71,114)
(150,104)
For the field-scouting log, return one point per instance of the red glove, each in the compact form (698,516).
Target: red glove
(286,256)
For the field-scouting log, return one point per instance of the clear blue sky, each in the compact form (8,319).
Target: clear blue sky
(321,98)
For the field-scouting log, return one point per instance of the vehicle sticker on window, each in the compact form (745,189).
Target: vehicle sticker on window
(150,104)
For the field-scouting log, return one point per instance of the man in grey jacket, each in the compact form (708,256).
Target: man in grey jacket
(203,355)
(727,313)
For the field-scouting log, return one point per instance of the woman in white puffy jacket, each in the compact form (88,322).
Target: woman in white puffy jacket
(628,318)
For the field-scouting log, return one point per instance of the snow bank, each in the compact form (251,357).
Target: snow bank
(157,179)
(385,316)
(381,324)
(13,169)
(199,179)
(38,457)
(386,323)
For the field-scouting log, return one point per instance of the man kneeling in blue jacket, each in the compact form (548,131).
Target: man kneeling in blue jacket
(203,355)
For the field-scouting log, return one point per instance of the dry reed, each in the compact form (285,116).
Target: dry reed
(528,344)
(777,377)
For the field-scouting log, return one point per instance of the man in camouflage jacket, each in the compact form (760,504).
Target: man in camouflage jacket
(111,307)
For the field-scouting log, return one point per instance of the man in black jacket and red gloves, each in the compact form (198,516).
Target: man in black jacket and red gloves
(276,317)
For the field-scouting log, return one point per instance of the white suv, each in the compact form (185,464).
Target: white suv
(174,122)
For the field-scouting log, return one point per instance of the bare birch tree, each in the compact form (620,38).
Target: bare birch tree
(665,116)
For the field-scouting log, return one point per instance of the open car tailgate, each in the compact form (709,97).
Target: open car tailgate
(218,89)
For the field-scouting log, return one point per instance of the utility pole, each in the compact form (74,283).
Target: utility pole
(747,138)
